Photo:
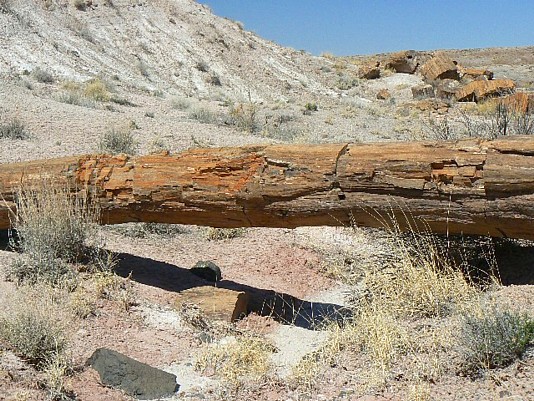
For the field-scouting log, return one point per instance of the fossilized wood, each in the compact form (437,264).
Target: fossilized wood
(470,186)
(219,304)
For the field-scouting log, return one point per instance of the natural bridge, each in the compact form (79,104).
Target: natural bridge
(469,186)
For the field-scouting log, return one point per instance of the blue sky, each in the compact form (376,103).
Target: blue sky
(348,27)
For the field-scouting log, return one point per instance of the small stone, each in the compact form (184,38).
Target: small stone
(383,94)
(207,270)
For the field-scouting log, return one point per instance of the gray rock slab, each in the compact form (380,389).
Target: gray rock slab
(135,378)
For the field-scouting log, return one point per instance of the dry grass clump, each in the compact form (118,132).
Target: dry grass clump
(423,282)
(146,230)
(54,227)
(244,360)
(35,324)
(98,90)
(418,316)
(219,234)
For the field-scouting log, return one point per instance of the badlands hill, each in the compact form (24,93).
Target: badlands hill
(178,47)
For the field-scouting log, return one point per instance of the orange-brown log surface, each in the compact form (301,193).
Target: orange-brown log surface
(469,186)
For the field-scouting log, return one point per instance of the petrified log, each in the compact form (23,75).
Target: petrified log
(218,304)
(470,186)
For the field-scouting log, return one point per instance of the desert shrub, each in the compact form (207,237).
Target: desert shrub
(33,325)
(13,129)
(218,234)
(143,68)
(497,120)
(5,6)
(214,80)
(54,228)
(79,5)
(121,101)
(97,90)
(75,98)
(311,106)
(43,76)
(243,116)
(115,141)
(247,358)
(181,103)
(202,66)
(204,116)
(441,130)
(145,230)
(492,337)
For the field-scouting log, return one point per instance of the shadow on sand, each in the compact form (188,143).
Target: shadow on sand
(284,308)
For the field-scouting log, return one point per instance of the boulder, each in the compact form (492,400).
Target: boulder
(440,66)
(520,102)
(446,88)
(474,74)
(405,62)
(217,304)
(207,270)
(480,90)
(383,94)
(135,378)
(370,71)
(422,91)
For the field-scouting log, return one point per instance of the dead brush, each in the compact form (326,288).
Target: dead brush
(35,325)
(246,359)
(54,227)
(403,308)
(421,281)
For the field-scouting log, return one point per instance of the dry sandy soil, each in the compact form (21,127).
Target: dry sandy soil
(164,62)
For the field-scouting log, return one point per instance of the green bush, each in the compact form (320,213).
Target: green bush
(13,129)
(118,142)
(43,76)
(493,338)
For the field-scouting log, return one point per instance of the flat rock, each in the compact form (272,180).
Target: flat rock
(480,90)
(218,304)
(135,378)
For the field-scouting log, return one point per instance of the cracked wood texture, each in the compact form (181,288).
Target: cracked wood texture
(469,186)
